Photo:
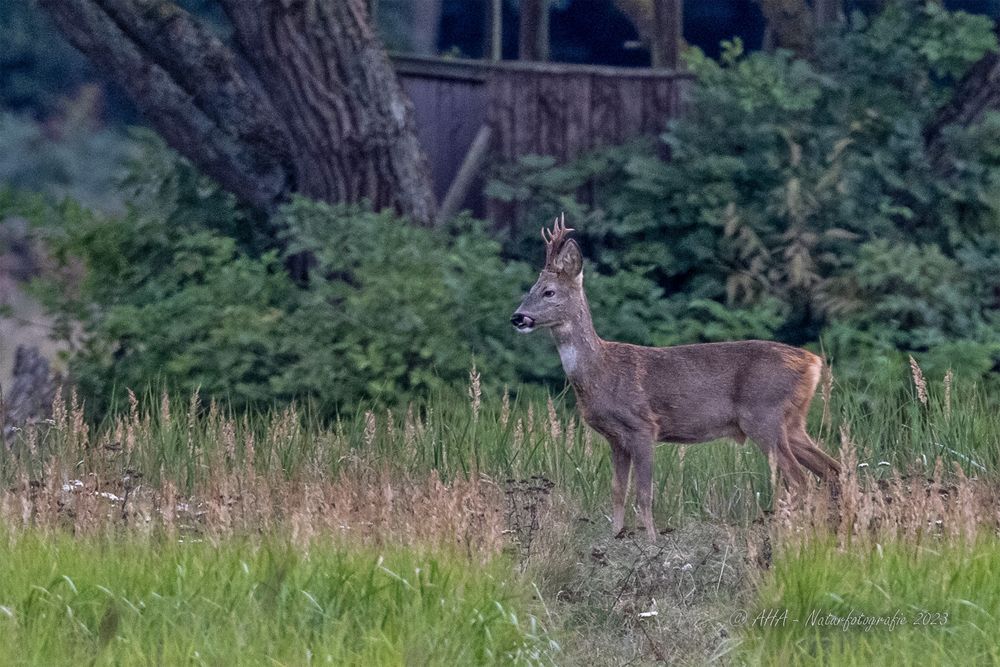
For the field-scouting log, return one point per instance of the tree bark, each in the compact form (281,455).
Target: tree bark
(29,398)
(533,42)
(667,35)
(308,103)
(791,25)
(977,94)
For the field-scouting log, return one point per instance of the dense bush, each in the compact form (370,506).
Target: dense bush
(66,157)
(185,291)
(799,202)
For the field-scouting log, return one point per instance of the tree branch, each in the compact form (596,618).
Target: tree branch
(202,65)
(183,81)
(792,24)
(977,94)
(313,106)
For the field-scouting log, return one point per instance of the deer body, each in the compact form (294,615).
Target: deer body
(635,396)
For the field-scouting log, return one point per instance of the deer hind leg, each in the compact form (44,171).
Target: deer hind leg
(812,457)
(772,438)
(622,461)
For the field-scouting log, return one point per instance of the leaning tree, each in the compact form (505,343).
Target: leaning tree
(301,99)
(976,95)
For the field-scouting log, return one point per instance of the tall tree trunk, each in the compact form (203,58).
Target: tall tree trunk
(667,34)
(307,103)
(977,94)
(425,18)
(533,43)
(791,25)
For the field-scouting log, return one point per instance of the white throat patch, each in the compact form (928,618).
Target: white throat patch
(567,353)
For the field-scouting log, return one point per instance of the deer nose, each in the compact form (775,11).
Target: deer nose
(522,322)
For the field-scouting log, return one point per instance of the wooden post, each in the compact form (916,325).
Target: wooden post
(667,34)
(496,30)
(460,186)
(534,33)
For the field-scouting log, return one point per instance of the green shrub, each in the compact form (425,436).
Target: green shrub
(798,204)
(185,292)
(393,310)
(75,160)
(799,201)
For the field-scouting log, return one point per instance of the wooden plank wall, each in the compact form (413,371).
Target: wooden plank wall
(553,109)
(448,113)
(565,111)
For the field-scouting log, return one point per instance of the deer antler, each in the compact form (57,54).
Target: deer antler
(554,239)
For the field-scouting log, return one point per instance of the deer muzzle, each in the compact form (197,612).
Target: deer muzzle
(522,322)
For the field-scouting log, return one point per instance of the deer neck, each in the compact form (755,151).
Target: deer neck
(578,344)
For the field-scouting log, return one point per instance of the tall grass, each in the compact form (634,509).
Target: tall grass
(900,425)
(191,491)
(66,601)
(937,605)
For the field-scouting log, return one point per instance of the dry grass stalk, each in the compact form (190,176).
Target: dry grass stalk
(555,430)
(570,438)
(390,425)
(910,508)
(91,490)
(918,381)
(475,392)
(826,394)
(948,379)
(165,408)
(409,430)
(371,429)
(505,407)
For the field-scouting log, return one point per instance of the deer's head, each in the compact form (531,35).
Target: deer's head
(557,295)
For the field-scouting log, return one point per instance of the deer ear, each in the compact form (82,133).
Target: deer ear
(569,261)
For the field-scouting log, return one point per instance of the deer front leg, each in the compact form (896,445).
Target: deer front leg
(622,461)
(642,459)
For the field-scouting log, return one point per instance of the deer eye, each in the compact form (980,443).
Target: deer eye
(548,293)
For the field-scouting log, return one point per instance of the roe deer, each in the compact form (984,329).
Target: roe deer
(635,396)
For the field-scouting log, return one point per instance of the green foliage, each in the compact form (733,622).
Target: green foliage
(799,201)
(184,291)
(66,159)
(163,297)
(798,204)
(393,310)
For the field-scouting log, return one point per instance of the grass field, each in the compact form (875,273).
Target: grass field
(134,601)
(899,603)
(472,529)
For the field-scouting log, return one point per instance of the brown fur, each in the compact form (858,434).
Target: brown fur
(635,396)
